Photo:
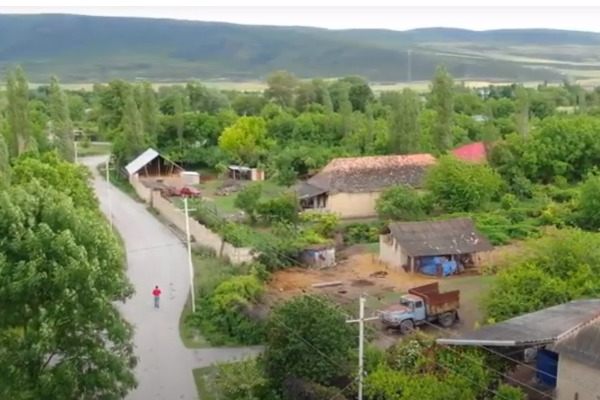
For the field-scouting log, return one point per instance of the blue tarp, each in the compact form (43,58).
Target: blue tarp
(429,266)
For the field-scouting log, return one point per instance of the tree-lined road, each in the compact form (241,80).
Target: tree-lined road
(155,256)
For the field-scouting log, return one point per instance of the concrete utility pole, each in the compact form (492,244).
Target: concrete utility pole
(108,193)
(75,147)
(361,342)
(189,250)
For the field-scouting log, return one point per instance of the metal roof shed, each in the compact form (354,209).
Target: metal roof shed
(146,159)
(535,329)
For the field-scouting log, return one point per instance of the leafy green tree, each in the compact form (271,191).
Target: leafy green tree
(241,380)
(248,199)
(404,123)
(4,163)
(62,128)
(131,141)
(19,124)
(283,208)
(61,270)
(345,110)
(308,338)
(178,113)
(558,268)
(51,171)
(246,140)
(149,112)
(589,203)
(522,111)
(111,106)
(462,186)
(359,92)
(281,87)
(442,101)
(400,203)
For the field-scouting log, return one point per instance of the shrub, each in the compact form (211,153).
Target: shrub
(361,232)
(225,316)
(400,203)
(462,186)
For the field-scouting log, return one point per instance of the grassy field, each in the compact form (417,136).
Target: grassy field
(419,86)
(92,149)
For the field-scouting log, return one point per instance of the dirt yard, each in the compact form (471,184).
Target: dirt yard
(361,272)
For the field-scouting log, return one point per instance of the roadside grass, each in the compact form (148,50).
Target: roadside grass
(92,149)
(200,377)
(119,181)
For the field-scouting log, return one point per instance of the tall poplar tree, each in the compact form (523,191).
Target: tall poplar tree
(17,93)
(61,125)
(149,112)
(404,123)
(442,101)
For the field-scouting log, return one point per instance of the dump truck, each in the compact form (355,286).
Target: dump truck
(422,304)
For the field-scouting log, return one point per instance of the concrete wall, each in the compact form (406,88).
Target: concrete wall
(353,205)
(390,252)
(201,234)
(576,381)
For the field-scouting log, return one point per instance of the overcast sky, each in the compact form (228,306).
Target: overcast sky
(398,18)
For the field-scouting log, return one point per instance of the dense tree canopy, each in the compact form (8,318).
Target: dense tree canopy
(61,269)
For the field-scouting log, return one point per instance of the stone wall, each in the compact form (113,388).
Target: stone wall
(201,234)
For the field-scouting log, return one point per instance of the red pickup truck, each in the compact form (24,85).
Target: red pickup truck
(184,192)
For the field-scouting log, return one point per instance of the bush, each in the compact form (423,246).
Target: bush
(500,230)
(324,224)
(400,203)
(225,317)
(462,186)
(361,232)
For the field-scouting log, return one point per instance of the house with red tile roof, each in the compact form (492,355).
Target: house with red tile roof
(350,186)
(475,152)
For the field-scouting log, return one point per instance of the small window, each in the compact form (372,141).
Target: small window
(419,304)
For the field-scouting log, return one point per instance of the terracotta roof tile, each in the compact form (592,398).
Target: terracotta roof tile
(373,173)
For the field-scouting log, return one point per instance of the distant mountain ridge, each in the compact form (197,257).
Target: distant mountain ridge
(85,49)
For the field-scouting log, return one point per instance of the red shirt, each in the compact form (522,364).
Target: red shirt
(156,292)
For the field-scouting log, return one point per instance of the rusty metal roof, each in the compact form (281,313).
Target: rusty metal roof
(444,237)
(538,328)
(581,344)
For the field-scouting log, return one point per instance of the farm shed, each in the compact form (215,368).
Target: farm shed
(349,187)
(567,340)
(152,165)
(442,247)
(246,173)
(318,256)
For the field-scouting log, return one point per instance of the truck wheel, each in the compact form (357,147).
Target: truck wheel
(447,319)
(407,326)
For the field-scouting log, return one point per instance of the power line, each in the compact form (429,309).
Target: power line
(504,356)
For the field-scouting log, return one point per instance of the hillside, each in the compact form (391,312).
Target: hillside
(85,49)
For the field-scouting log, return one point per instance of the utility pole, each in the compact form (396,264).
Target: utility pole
(108,193)
(361,342)
(75,147)
(189,250)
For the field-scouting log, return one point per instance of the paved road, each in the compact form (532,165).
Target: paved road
(155,256)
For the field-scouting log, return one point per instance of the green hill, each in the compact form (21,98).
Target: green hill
(86,49)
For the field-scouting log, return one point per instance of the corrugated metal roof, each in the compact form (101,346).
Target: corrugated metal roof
(581,344)
(537,328)
(434,238)
(141,161)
